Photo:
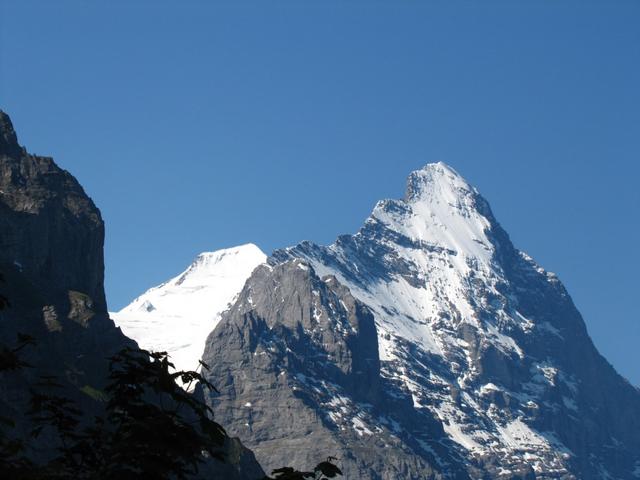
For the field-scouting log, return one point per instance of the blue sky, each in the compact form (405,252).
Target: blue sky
(198,125)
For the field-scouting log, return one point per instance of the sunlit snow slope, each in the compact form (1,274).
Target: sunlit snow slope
(177,315)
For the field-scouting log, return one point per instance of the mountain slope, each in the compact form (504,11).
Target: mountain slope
(494,373)
(177,315)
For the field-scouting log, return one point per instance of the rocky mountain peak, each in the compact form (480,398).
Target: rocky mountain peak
(481,338)
(8,139)
(436,180)
(48,224)
(440,210)
(309,356)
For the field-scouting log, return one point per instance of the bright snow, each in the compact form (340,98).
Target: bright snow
(178,315)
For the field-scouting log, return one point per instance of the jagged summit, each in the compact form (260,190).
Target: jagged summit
(54,219)
(412,261)
(177,315)
(481,338)
(440,210)
(8,139)
(434,178)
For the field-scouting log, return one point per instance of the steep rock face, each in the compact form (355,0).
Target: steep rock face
(51,257)
(296,363)
(50,228)
(52,263)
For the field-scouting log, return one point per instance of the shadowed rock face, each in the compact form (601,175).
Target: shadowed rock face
(51,237)
(486,368)
(49,228)
(51,257)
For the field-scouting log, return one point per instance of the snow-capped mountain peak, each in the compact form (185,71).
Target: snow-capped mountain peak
(440,210)
(210,266)
(423,346)
(177,315)
(415,257)
(476,332)
(433,179)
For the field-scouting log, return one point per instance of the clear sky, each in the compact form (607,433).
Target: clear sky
(197,125)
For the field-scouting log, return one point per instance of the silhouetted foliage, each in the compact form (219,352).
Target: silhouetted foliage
(4,303)
(9,357)
(158,428)
(150,428)
(322,471)
(13,463)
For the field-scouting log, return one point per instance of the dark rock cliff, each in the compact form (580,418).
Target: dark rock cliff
(51,259)
(51,240)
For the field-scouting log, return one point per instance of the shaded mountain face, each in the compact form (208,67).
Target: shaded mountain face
(177,316)
(51,258)
(52,262)
(484,367)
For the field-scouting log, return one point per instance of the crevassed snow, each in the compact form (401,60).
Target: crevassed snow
(177,315)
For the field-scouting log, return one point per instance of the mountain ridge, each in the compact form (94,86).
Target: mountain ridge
(486,366)
(480,337)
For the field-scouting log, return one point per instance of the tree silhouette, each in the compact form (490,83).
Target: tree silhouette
(322,471)
(150,427)
(4,302)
